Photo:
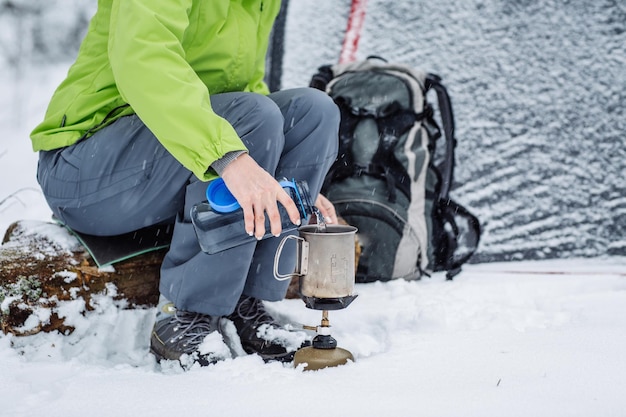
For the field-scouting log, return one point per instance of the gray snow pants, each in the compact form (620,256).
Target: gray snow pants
(122,179)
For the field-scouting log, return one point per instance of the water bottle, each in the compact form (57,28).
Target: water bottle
(219,223)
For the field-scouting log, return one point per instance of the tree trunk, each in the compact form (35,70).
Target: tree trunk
(42,264)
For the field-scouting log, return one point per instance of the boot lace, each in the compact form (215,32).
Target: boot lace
(194,327)
(251,310)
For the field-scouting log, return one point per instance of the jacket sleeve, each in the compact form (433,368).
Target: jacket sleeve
(148,63)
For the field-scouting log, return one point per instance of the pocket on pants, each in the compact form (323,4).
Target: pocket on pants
(58,177)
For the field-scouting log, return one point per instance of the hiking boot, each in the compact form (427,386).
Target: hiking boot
(260,333)
(182,336)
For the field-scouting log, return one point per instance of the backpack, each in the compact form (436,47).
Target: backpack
(391,178)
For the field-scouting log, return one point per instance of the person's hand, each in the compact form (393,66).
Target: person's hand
(327,209)
(257,193)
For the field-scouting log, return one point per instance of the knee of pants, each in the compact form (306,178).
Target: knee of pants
(318,117)
(326,112)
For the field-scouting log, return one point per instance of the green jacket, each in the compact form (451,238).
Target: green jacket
(162,60)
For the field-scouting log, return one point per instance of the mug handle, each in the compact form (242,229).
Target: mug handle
(302,260)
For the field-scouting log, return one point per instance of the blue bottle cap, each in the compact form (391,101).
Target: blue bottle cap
(220,198)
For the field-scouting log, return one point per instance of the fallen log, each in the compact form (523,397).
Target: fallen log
(42,265)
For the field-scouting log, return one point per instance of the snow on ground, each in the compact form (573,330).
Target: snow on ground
(510,339)
(541,162)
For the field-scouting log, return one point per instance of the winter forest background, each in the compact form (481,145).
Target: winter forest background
(538,89)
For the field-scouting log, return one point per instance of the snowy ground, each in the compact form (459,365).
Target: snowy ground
(491,343)
(538,88)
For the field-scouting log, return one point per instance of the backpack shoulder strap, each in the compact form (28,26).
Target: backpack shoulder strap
(447,117)
(384,162)
(447,235)
(344,164)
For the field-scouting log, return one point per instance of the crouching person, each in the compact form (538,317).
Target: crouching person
(164,97)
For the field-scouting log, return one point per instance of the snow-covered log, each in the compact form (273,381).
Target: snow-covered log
(42,265)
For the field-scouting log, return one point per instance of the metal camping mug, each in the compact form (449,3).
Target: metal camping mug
(325,261)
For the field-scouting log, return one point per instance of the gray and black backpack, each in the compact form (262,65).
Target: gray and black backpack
(392,176)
